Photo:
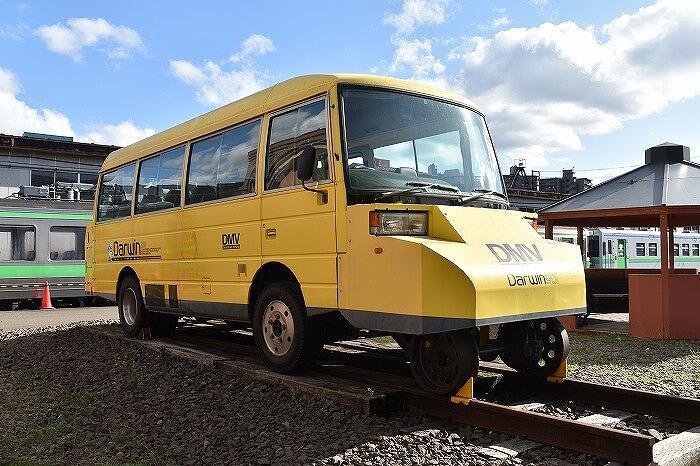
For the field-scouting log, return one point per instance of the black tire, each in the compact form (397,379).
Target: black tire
(133,316)
(443,362)
(536,348)
(287,351)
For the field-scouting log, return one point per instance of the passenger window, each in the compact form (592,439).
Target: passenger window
(115,193)
(290,133)
(675,249)
(641,249)
(223,165)
(652,249)
(160,180)
(17,243)
(67,243)
(686,249)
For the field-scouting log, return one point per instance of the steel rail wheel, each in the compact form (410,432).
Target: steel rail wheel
(443,362)
(536,348)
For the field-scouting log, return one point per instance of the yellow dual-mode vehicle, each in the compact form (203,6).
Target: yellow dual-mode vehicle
(328,204)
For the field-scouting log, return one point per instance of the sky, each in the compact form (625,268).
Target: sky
(563,84)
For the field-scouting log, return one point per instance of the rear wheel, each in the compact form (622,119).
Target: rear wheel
(133,315)
(287,339)
(443,362)
(536,348)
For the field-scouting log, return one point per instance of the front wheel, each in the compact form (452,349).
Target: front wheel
(287,339)
(443,362)
(535,348)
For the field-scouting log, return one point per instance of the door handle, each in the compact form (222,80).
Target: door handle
(271,232)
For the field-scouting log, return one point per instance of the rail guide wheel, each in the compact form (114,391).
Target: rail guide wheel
(442,363)
(536,349)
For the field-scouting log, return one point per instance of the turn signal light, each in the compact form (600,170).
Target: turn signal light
(382,222)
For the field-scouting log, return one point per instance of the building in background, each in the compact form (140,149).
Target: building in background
(42,166)
(567,183)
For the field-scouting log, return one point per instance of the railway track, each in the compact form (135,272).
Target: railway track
(499,405)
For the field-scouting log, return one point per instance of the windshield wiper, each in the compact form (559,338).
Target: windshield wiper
(481,193)
(415,187)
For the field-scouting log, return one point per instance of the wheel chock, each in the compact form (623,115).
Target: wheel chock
(559,375)
(465,394)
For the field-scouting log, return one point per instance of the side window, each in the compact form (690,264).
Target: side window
(686,249)
(17,243)
(290,133)
(696,249)
(223,165)
(641,249)
(652,249)
(67,243)
(115,193)
(159,183)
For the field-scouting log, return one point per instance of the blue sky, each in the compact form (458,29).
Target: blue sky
(583,84)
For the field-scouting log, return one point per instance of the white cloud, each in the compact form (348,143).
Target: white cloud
(416,56)
(544,87)
(501,21)
(121,134)
(216,86)
(78,33)
(415,13)
(17,117)
(256,44)
(15,32)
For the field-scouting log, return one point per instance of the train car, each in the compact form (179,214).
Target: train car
(609,248)
(42,241)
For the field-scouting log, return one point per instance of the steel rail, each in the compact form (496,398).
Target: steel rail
(604,442)
(626,399)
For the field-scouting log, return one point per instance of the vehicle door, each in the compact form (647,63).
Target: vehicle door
(298,226)
(621,254)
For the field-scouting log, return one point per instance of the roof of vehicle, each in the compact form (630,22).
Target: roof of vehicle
(277,96)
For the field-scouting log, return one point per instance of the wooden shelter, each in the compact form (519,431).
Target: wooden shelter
(662,193)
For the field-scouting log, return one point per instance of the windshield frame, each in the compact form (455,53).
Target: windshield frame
(351,191)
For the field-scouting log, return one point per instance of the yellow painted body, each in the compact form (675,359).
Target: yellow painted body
(449,279)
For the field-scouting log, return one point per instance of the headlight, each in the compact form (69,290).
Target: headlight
(398,223)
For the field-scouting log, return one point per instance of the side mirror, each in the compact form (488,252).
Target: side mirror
(306,162)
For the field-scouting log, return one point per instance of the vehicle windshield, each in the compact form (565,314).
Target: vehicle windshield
(395,141)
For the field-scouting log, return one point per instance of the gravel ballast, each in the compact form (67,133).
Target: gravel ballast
(72,396)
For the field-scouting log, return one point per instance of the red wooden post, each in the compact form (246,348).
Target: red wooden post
(548,229)
(666,259)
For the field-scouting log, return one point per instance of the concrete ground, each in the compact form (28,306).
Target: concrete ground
(13,320)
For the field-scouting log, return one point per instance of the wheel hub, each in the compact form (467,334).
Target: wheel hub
(129,306)
(278,328)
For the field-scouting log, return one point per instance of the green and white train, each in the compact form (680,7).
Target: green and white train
(608,248)
(42,241)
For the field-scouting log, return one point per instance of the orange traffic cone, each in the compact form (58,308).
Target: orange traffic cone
(46,299)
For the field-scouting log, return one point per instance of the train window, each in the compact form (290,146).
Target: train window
(160,180)
(696,249)
(115,193)
(652,249)
(675,249)
(593,246)
(67,243)
(17,243)
(641,249)
(685,249)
